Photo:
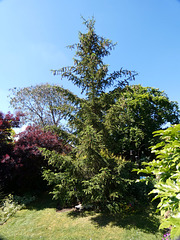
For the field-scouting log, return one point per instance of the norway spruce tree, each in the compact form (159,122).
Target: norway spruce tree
(90,173)
(109,121)
(91,74)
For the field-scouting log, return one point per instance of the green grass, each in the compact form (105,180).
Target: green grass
(41,221)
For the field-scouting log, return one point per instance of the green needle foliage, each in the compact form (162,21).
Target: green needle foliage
(95,171)
(89,72)
(92,76)
(80,175)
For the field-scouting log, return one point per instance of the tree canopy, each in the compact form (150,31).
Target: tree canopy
(43,105)
(136,113)
(21,165)
(7,123)
(105,124)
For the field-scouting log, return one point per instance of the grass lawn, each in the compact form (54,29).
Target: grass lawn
(41,221)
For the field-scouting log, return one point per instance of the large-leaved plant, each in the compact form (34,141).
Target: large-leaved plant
(165,168)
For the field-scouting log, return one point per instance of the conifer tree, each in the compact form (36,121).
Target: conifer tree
(91,173)
(90,164)
(91,74)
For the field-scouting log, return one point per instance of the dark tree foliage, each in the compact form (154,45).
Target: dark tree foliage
(25,162)
(7,122)
(29,141)
(133,117)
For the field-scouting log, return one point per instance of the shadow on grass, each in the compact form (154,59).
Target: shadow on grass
(44,200)
(2,238)
(146,221)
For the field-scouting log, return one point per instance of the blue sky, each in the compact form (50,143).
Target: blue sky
(34,35)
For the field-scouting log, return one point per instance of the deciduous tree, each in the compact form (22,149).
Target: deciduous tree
(43,105)
(7,123)
(136,113)
(24,163)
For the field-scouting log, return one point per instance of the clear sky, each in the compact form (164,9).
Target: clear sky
(34,35)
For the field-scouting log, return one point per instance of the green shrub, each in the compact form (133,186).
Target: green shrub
(11,204)
(107,188)
(165,169)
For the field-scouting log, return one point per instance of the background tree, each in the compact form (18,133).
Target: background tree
(43,105)
(133,117)
(25,161)
(7,123)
